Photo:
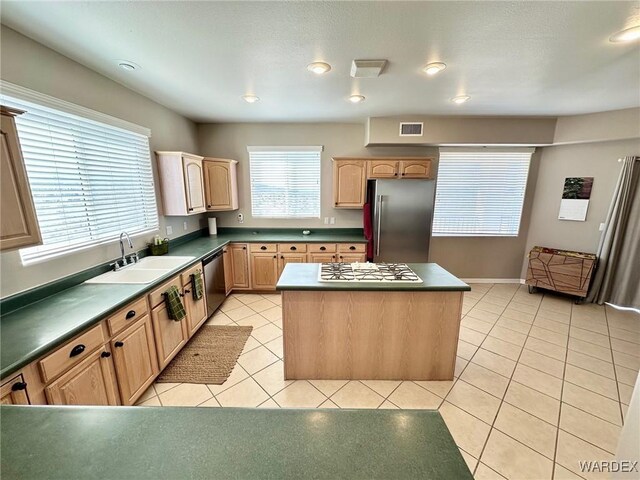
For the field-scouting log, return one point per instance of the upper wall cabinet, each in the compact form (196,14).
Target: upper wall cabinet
(349,183)
(181,183)
(220,184)
(18,220)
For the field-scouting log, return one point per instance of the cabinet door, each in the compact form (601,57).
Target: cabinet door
(196,309)
(352,257)
(194,185)
(349,183)
(322,257)
(134,354)
(240,261)
(415,169)
(284,258)
(382,168)
(14,392)
(92,382)
(228,269)
(264,271)
(220,185)
(170,335)
(18,221)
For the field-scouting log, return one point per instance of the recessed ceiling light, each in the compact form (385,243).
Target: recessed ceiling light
(627,35)
(250,98)
(319,67)
(460,99)
(127,65)
(356,98)
(433,68)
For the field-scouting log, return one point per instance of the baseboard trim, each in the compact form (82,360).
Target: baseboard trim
(492,280)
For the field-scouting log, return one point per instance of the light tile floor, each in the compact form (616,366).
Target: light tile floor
(541,383)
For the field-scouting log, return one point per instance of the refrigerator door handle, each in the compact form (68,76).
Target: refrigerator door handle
(379,209)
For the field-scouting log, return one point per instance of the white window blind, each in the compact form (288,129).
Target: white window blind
(89,180)
(285,182)
(480,193)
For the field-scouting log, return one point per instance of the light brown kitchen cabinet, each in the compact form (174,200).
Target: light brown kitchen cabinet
(240,260)
(284,258)
(352,252)
(382,168)
(135,358)
(349,183)
(170,335)
(196,309)
(91,382)
(227,261)
(220,184)
(352,257)
(264,271)
(419,168)
(14,392)
(322,257)
(181,183)
(18,221)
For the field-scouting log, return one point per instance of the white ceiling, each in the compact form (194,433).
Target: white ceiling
(198,58)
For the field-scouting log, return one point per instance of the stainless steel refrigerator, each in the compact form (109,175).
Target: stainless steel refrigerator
(402,217)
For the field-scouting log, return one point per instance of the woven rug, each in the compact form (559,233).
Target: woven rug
(209,356)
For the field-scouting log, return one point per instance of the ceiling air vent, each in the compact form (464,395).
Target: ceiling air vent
(411,129)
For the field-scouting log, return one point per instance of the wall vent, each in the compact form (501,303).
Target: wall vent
(411,129)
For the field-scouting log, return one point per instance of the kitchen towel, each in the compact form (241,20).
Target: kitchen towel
(213,227)
(174,304)
(196,285)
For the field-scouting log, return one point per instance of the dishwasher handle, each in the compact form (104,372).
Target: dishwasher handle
(211,258)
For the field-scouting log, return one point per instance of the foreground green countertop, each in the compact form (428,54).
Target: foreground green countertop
(304,276)
(39,327)
(195,443)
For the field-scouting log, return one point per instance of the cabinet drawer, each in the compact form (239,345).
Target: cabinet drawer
(71,353)
(127,315)
(156,297)
(186,275)
(322,247)
(264,247)
(292,247)
(14,392)
(352,247)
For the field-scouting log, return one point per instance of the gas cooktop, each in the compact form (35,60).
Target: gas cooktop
(367,272)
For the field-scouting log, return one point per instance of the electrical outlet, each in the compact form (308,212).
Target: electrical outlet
(169,230)
(326,220)
(184,225)
(240,218)
(332,220)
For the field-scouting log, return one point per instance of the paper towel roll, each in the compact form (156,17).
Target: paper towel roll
(213,228)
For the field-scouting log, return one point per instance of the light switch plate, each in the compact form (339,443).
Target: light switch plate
(169,230)
(326,220)
(332,220)
(240,218)
(184,225)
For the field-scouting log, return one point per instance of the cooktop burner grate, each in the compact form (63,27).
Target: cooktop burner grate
(367,272)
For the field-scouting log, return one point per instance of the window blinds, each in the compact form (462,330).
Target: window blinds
(480,193)
(285,182)
(89,181)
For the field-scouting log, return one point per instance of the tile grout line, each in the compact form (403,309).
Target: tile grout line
(615,373)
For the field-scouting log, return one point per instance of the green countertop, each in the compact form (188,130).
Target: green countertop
(37,328)
(194,443)
(304,276)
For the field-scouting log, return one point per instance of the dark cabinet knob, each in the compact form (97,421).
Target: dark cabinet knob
(275,256)
(293,248)
(77,350)
(18,386)
(105,354)
(403,174)
(263,247)
(341,257)
(130,314)
(322,249)
(119,344)
(191,209)
(244,248)
(208,206)
(282,256)
(187,291)
(395,174)
(352,247)
(181,294)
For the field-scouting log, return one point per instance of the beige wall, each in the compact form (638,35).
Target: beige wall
(598,160)
(32,65)
(598,127)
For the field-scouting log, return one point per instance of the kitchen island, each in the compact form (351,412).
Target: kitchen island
(370,330)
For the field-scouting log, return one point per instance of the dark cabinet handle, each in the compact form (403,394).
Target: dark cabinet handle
(322,249)
(293,248)
(130,314)
(341,257)
(282,257)
(181,294)
(263,247)
(333,256)
(18,386)
(77,350)
(244,248)
(191,209)
(275,256)
(395,174)
(105,354)
(403,174)
(187,291)
(119,344)
(208,206)
(352,247)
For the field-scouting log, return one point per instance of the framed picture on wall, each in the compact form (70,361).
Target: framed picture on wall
(575,198)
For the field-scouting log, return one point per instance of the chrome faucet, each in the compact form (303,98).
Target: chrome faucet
(125,234)
(133,258)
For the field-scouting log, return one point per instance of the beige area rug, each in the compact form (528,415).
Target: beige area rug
(209,356)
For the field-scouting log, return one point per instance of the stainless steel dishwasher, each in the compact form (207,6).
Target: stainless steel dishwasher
(214,281)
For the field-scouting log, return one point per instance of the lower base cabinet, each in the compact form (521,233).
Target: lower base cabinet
(14,392)
(322,257)
(228,270)
(196,310)
(91,382)
(351,257)
(264,271)
(284,258)
(134,355)
(170,335)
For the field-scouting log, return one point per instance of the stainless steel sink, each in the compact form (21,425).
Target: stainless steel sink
(145,271)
